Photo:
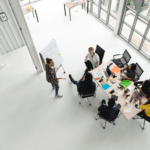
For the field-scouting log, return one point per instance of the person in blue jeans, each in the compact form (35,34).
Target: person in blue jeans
(109,112)
(86,85)
(51,76)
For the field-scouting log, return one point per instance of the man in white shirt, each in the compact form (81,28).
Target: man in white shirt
(92,57)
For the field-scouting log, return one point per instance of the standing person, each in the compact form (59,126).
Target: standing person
(92,57)
(51,76)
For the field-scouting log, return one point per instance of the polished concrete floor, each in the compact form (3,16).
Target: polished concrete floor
(31,118)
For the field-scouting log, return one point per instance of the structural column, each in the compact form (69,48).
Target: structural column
(119,16)
(26,33)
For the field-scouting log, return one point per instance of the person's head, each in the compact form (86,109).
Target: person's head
(132,67)
(91,50)
(88,78)
(111,103)
(50,62)
(89,65)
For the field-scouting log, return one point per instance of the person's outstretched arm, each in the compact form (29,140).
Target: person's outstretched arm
(86,58)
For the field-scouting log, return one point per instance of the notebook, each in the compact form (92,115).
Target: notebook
(125,83)
(105,86)
(126,110)
(115,69)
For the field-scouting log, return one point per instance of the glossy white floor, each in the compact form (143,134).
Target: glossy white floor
(32,119)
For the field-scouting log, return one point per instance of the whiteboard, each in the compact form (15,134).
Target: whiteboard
(52,51)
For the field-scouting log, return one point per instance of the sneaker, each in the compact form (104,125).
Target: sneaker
(58,96)
(70,76)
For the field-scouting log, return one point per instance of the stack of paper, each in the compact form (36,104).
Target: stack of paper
(126,110)
(130,88)
(95,74)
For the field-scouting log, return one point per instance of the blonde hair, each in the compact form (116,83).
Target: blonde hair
(91,49)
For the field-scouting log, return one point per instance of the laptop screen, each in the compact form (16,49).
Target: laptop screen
(108,70)
(126,56)
(139,70)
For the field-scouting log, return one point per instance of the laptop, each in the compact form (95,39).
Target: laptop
(106,73)
(137,91)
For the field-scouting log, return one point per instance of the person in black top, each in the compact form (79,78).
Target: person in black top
(130,75)
(145,89)
(89,67)
(86,85)
(109,112)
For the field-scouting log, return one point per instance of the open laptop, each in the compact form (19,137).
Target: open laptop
(106,73)
(137,91)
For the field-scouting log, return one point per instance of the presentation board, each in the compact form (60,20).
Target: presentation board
(51,51)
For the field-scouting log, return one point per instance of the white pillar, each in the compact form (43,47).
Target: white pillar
(26,33)
(119,16)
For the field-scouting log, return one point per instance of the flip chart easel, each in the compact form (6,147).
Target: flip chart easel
(51,51)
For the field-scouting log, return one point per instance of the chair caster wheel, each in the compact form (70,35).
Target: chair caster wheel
(114,124)
(103,127)
(142,128)
(133,118)
(79,102)
(89,104)
(96,119)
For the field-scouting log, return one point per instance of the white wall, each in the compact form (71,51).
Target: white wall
(10,35)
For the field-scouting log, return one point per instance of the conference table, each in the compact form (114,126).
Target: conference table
(74,4)
(119,92)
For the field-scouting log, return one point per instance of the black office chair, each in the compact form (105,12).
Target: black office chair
(107,114)
(146,118)
(139,71)
(124,60)
(83,96)
(100,53)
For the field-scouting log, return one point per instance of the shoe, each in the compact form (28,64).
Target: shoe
(59,96)
(53,88)
(70,76)
(103,102)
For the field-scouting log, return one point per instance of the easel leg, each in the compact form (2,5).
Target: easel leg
(63,68)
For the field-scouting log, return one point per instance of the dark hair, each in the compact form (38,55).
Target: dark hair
(48,60)
(133,66)
(88,78)
(111,103)
(89,65)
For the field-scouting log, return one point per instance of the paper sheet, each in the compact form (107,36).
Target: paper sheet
(95,74)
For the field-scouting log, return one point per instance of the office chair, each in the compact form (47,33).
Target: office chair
(107,114)
(83,96)
(142,117)
(100,53)
(124,60)
(138,72)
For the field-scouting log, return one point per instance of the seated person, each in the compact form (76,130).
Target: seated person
(130,72)
(92,57)
(86,85)
(109,112)
(146,108)
(89,67)
(145,89)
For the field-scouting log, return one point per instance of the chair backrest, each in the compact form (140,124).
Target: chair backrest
(139,70)
(109,115)
(126,56)
(87,95)
(100,52)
